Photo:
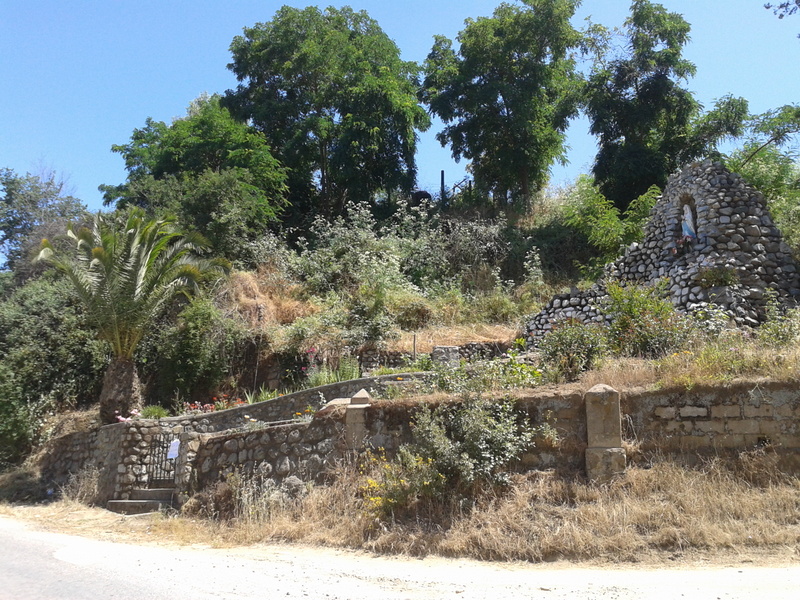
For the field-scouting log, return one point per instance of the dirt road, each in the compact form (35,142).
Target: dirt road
(44,565)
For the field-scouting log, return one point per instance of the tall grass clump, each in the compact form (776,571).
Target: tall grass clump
(347,368)
(82,487)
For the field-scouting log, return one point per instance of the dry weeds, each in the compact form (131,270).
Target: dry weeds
(728,508)
(265,298)
(452,335)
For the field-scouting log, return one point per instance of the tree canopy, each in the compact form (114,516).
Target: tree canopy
(647,124)
(215,174)
(330,92)
(507,94)
(32,205)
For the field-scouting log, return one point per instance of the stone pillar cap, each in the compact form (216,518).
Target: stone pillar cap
(360,397)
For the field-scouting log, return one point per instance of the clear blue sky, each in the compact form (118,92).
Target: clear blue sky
(77,76)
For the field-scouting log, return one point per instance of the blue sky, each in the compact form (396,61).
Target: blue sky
(78,76)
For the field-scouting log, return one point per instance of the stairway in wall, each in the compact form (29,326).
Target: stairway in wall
(144,501)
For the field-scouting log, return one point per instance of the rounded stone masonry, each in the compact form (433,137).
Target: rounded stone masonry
(711,237)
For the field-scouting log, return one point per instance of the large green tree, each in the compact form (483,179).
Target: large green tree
(214,173)
(125,269)
(507,94)
(31,205)
(338,105)
(647,124)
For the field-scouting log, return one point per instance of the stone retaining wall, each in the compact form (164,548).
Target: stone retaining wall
(304,449)
(709,420)
(683,423)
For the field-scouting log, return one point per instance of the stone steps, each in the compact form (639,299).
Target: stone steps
(143,501)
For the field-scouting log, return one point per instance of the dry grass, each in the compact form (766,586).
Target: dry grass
(707,363)
(452,335)
(545,516)
(621,373)
(265,298)
(739,507)
(665,508)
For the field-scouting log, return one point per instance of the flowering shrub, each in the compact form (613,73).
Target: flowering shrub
(399,483)
(223,402)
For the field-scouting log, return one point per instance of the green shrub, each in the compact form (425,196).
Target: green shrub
(572,348)
(495,307)
(410,312)
(720,275)
(457,450)
(643,323)
(400,483)
(50,361)
(472,442)
(711,320)
(782,327)
(423,363)
(194,357)
(599,220)
(153,411)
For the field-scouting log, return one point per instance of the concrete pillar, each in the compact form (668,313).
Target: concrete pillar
(355,422)
(605,456)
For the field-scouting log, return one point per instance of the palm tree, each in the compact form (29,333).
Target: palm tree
(125,269)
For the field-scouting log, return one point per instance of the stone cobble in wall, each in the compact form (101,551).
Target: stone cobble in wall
(736,255)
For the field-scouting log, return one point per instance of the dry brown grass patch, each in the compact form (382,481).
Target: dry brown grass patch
(452,335)
(621,373)
(547,516)
(265,298)
(664,511)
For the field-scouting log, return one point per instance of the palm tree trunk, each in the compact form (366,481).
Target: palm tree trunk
(121,391)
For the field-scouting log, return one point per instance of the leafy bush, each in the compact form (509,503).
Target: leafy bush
(50,360)
(153,411)
(410,311)
(472,442)
(643,323)
(597,218)
(398,484)
(457,449)
(422,363)
(195,356)
(711,320)
(782,327)
(721,275)
(571,348)
(504,373)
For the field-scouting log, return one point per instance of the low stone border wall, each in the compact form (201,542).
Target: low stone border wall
(687,424)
